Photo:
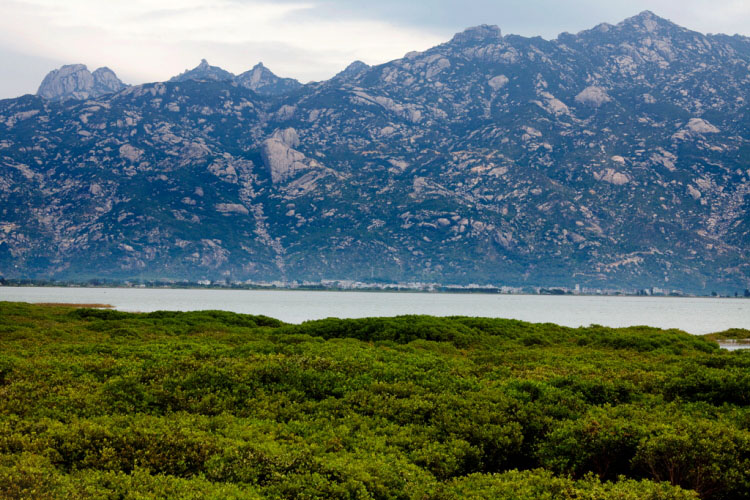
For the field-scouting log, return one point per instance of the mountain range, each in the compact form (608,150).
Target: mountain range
(615,157)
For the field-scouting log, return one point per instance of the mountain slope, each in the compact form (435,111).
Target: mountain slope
(614,157)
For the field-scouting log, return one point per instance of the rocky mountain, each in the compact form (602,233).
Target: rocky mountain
(615,157)
(75,81)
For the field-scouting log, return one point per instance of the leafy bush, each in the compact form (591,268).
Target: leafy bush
(602,442)
(710,457)
(540,484)
(729,384)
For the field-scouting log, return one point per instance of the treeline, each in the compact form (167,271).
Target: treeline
(103,404)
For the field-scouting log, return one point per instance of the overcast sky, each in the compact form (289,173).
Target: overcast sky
(152,40)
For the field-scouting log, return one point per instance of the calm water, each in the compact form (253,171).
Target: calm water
(694,315)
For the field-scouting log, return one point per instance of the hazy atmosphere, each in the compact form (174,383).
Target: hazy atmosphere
(152,40)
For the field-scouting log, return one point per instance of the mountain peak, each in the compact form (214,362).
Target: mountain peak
(203,72)
(352,71)
(263,81)
(356,65)
(481,33)
(75,81)
(647,21)
(71,68)
(256,76)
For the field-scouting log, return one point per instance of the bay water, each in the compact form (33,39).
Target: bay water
(691,314)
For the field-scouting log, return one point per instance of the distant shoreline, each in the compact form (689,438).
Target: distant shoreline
(395,288)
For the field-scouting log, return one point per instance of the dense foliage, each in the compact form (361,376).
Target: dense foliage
(111,405)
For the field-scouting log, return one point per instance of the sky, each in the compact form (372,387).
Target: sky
(153,40)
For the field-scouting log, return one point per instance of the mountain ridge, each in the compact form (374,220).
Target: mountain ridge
(614,157)
(74,81)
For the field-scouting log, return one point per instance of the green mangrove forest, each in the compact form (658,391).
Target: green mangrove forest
(102,404)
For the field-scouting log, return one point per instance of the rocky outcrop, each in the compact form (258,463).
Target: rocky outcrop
(498,82)
(204,72)
(612,176)
(484,33)
(280,157)
(352,72)
(262,80)
(593,96)
(701,126)
(106,81)
(75,81)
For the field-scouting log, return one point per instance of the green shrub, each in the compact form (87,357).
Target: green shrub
(601,442)
(728,384)
(543,485)
(710,457)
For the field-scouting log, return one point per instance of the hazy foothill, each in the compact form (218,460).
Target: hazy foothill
(612,161)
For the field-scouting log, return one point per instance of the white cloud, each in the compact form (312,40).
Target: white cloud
(148,40)
(153,40)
